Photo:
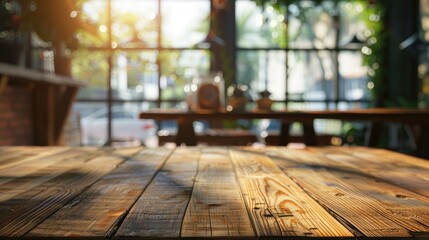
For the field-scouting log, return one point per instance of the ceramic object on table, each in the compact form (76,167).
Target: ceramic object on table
(236,98)
(264,102)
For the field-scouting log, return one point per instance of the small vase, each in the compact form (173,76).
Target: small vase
(264,103)
(236,103)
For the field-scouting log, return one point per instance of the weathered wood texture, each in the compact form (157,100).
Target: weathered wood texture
(98,210)
(208,192)
(160,210)
(216,208)
(28,209)
(371,206)
(278,206)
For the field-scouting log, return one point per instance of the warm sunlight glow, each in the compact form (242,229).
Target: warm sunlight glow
(102,28)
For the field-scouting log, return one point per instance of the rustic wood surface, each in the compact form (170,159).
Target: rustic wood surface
(212,192)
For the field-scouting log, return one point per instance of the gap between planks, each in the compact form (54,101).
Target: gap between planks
(216,208)
(159,211)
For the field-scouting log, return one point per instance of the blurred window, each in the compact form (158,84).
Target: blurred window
(309,56)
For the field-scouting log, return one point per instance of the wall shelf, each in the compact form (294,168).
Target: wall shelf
(52,99)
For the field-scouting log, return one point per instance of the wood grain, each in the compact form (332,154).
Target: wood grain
(4,79)
(368,205)
(28,209)
(101,208)
(17,155)
(277,205)
(159,211)
(66,100)
(24,74)
(216,208)
(406,171)
(212,192)
(31,174)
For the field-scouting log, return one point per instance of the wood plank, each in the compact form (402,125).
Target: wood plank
(63,108)
(26,210)
(278,206)
(99,211)
(160,210)
(44,115)
(310,138)
(31,75)
(26,165)
(3,83)
(25,177)
(14,155)
(216,208)
(423,142)
(406,171)
(374,135)
(185,133)
(284,134)
(372,207)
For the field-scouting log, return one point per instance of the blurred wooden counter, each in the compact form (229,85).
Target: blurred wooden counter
(377,116)
(212,192)
(52,96)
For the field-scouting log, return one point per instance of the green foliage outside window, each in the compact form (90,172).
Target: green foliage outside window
(372,15)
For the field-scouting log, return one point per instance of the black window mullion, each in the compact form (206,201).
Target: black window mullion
(337,79)
(158,58)
(287,58)
(109,78)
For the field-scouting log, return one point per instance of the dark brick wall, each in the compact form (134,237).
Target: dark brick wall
(16,114)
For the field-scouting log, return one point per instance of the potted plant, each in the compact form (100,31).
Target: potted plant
(264,102)
(56,22)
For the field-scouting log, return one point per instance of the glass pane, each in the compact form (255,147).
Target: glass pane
(259,29)
(327,126)
(95,14)
(135,75)
(128,129)
(312,26)
(314,105)
(262,70)
(134,23)
(92,67)
(352,105)
(311,76)
(93,122)
(184,23)
(353,76)
(352,29)
(178,69)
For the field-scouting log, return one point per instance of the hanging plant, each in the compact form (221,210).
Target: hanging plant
(56,22)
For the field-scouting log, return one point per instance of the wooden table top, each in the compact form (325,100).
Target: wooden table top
(219,192)
(404,115)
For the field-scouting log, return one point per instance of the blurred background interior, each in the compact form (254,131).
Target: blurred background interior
(137,55)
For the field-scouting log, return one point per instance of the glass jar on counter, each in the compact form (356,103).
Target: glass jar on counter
(206,92)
